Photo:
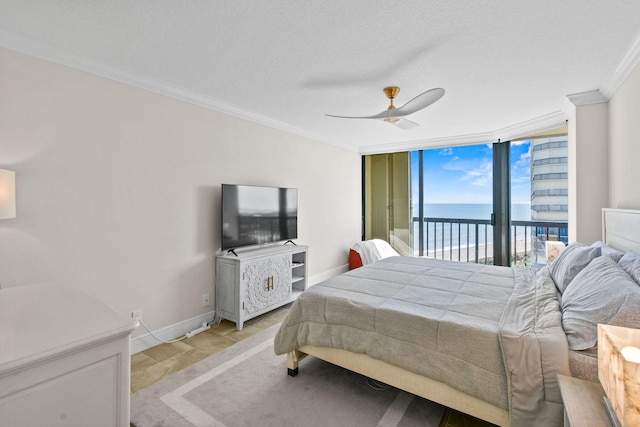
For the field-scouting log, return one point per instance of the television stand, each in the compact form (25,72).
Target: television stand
(256,281)
(290,241)
(231,251)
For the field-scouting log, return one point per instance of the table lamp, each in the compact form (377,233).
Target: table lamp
(619,373)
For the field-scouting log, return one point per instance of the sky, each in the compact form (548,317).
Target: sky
(464,174)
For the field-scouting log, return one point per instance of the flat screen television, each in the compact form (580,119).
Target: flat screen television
(256,215)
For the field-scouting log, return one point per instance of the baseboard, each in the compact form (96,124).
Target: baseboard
(317,278)
(170,332)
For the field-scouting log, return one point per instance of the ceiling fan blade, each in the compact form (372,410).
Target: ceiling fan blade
(402,123)
(406,124)
(419,102)
(381,115)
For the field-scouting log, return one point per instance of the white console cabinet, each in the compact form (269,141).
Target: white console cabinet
(64,359)
(256,281)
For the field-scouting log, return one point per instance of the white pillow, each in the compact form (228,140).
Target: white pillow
(373,250)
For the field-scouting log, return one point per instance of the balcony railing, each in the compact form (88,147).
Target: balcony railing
(471,240)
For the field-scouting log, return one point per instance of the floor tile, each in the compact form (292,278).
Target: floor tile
(144,378)
(141,361)
(165,351)
(210,343)
(156,363)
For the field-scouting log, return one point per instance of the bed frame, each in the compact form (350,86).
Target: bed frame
(620,229)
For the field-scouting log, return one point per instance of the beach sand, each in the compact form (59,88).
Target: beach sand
(485,252)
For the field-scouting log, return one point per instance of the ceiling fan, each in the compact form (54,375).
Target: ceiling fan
(395,116)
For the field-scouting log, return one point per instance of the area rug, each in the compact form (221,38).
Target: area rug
(247,385)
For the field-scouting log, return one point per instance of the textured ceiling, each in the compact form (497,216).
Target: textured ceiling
(506,65)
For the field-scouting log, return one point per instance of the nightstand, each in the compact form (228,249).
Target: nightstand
(583,405)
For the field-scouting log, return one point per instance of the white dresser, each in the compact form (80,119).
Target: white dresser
(64,359)
(256,281)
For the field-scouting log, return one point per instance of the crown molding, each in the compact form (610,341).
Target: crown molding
(21,43)
(520,130)
(587,98)
(533,126)
(629,62)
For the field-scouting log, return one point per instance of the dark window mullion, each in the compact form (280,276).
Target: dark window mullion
(421,203)
(501,203)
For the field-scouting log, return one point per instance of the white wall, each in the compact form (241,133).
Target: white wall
(119,189)
(588,171)
(624,137)
(604,148)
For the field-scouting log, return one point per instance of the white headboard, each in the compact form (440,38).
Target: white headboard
(621,228)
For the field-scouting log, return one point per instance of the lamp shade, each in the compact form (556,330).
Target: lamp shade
(7,194)
(619,371)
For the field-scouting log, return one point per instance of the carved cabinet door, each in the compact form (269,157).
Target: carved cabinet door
(266,283)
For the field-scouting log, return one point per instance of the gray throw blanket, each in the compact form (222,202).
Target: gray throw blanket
(491,332)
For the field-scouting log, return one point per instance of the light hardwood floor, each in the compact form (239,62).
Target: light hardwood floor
(152,365)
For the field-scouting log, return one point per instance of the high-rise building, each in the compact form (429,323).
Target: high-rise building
(549,185)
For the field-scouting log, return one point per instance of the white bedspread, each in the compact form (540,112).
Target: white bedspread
(491,332)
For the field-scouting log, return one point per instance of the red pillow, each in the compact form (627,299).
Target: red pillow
(354,259)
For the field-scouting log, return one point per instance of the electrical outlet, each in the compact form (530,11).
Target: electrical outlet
(136,314)
(205,300)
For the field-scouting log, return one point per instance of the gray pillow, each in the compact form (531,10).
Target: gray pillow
(601,293)
(570,262)
(607,250)
(630,262)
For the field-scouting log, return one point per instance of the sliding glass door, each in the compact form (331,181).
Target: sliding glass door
(387,203)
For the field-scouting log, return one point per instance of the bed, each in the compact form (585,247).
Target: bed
(485,340)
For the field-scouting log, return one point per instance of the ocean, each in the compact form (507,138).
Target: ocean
(471,210)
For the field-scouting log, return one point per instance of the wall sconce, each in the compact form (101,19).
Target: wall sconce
(7,194)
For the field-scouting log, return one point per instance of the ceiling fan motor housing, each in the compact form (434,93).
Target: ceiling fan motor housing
(391,92)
